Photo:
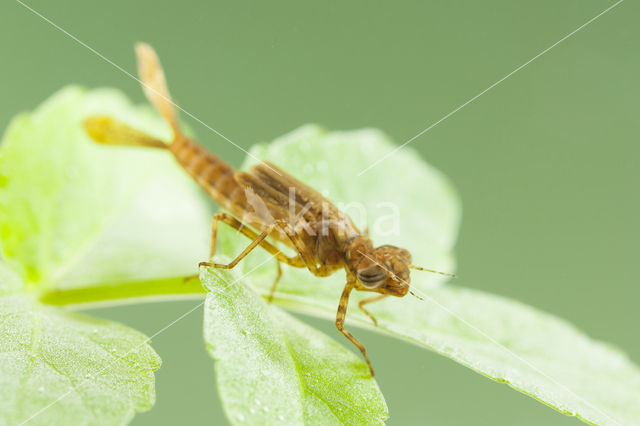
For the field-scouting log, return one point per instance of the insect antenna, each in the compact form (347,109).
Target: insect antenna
(446,274)
(415,295)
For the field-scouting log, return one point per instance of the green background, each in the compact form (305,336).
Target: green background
(546,162)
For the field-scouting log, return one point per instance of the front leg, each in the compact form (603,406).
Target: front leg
(304,252)
(340,316)
(370,300)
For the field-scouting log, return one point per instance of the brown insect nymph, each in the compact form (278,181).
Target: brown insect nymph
(268,205)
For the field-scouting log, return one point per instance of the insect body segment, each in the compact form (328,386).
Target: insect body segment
(266,204)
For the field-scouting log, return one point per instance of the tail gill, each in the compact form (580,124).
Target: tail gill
(214,175)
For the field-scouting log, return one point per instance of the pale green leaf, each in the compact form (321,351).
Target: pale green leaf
(62,368)
(74,213)
(534,352)
(271,368)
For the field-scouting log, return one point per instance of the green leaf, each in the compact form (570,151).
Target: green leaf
(75,214)
(93,223)
(534,352)
(61,368)
(271,368)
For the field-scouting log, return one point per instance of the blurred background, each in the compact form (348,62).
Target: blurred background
(546,162)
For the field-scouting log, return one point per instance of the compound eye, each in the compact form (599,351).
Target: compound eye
(372,277)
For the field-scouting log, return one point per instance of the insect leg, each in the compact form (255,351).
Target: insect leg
(275,282)
(259,239)
(305,253)
(370,300)
(299,245)
(214,233)
(228,219)
(340,316)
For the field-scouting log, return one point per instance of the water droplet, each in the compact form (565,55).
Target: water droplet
(258,402)
(240,417)
(88,376)
(95,330)
(322,166)
(280,417)
(266,409)
(41,388)
(252,410)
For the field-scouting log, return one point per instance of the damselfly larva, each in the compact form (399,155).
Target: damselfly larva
(267,203)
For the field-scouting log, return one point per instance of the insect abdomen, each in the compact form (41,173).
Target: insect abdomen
(215,176)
